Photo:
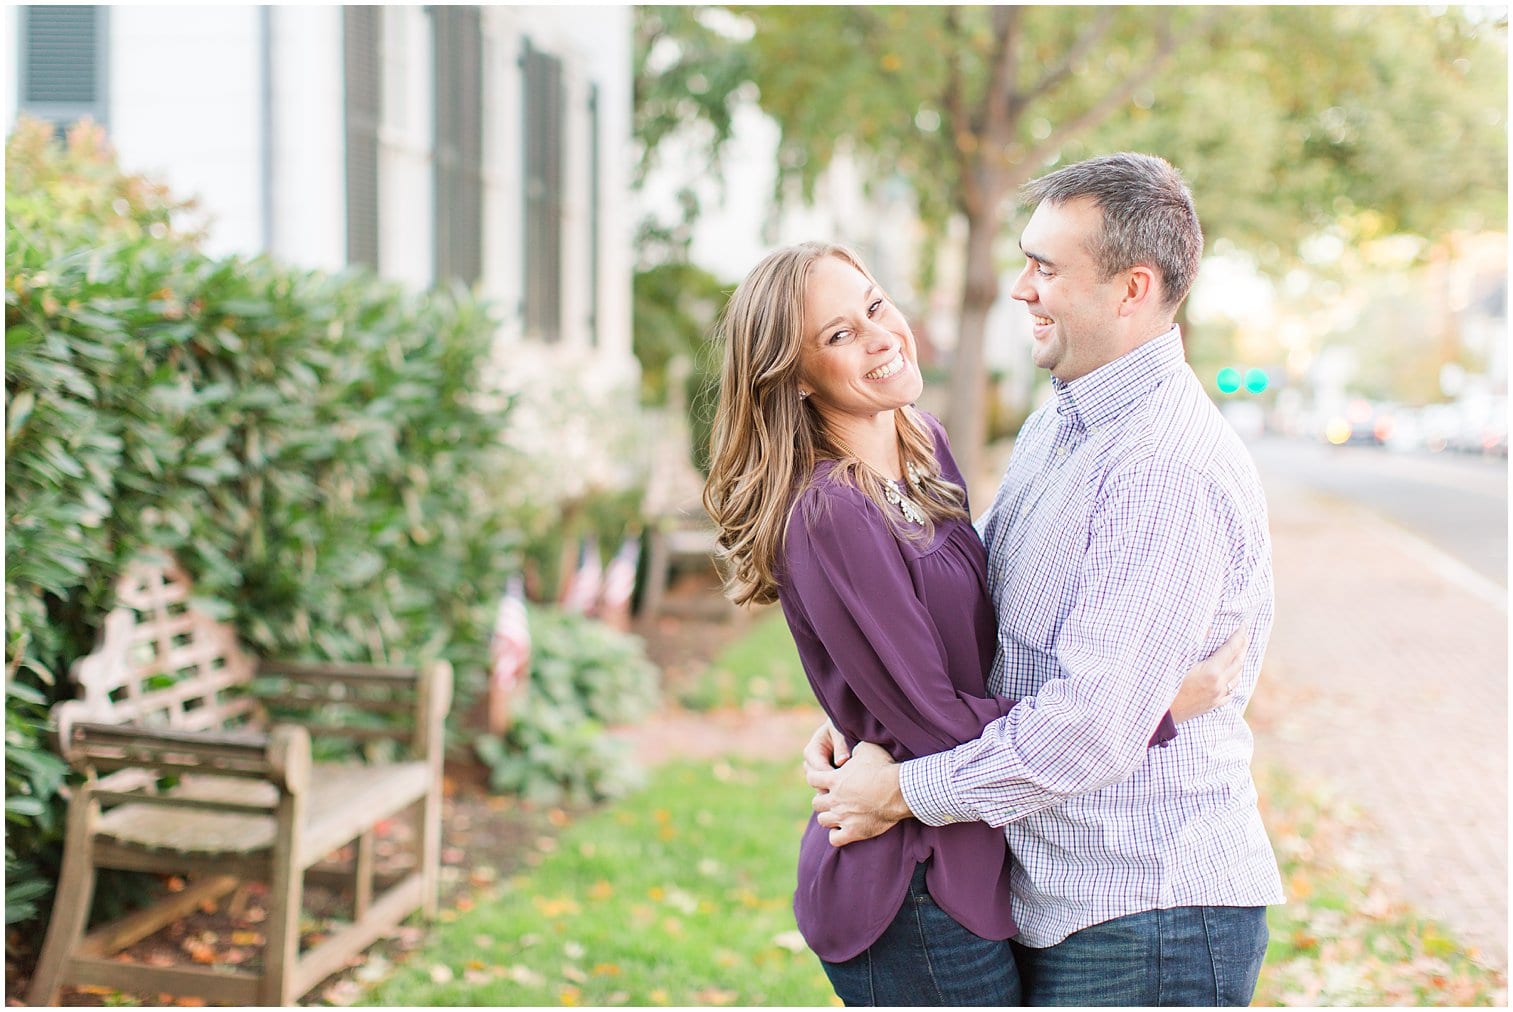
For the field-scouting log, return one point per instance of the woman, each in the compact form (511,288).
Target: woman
(839,499)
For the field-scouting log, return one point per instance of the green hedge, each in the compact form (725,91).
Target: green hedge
(315,448)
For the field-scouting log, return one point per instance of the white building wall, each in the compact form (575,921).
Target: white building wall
(406,180)
(594,45)
(184,101)
(308,186)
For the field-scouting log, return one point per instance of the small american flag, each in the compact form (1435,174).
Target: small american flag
(582,590)
(620,584)
(509,654)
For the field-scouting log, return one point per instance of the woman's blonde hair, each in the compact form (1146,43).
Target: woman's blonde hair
(767,439)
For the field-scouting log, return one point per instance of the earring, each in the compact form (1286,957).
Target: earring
(803,394)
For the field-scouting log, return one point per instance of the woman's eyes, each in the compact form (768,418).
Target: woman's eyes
(872,310)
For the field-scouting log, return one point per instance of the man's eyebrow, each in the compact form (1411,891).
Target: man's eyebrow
(865,296)
(1036,257)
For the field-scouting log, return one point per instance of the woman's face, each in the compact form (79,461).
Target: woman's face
(857,356)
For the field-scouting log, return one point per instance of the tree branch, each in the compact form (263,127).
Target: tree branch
(1084,45)
(957,121)
(1000,101)
(1167,44)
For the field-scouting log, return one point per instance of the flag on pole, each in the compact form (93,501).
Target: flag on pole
(583,586)
(509,654)
(620,584)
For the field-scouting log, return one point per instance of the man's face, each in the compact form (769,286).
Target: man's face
(1075,314)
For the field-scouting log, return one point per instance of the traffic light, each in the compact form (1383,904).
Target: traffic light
(1230,380)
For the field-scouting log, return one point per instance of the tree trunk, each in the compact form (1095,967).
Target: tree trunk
(966,416)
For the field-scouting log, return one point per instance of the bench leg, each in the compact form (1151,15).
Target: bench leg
(657,567)
(286,889)
(362,876)
(429,813)
(71,902)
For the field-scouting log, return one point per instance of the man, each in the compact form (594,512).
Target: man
(1127,540)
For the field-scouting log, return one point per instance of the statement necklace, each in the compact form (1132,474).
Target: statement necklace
(895,495)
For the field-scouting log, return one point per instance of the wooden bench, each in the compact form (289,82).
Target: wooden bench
(198,762)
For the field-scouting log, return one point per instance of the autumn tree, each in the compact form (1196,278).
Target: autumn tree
(1286,120)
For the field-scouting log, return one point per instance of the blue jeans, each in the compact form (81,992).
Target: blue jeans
(1202,956)
(927,958)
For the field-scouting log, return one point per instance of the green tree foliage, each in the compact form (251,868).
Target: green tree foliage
(675,310)
(1286,120)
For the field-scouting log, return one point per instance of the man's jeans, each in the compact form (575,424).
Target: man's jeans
(1202,956)
(927,958)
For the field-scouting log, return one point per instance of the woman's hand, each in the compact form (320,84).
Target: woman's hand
(1212,682)
(827,749)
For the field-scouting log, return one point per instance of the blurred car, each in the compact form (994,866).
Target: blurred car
(1359,421)
(1247,418)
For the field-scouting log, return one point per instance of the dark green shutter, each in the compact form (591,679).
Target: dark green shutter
(459,143)
(362,50)
(543,124)
(62,63)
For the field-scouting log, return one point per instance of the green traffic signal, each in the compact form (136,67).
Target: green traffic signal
(1230,380)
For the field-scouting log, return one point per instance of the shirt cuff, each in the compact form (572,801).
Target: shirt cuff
(926,786)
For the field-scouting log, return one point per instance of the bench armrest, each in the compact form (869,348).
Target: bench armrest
(280,756)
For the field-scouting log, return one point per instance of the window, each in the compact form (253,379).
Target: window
(459,143)
(62,63)
(362,29)
(543,194)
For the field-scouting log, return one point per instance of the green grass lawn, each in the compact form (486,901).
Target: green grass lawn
(762,667)
(678,896)
(680,893)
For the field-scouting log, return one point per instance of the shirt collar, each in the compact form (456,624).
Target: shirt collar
(1103,393)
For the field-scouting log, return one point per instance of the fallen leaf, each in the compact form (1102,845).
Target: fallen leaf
(714,996)
(793,941)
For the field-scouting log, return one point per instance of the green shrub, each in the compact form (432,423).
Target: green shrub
(318,450)
(584,675)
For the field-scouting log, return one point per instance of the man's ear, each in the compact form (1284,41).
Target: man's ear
(1142,288)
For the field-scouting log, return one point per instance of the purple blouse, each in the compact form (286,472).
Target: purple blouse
(896,638)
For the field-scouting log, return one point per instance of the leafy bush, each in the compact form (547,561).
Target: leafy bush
(676,305)
(584,675)
(318,450)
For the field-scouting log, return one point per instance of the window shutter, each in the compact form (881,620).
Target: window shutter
(544,109)
(62,63)
(362,52)
(459,143)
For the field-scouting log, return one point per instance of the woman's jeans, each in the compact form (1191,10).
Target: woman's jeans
(1202,956)
(926,958)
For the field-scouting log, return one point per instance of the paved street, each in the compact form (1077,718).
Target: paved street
(1387,681)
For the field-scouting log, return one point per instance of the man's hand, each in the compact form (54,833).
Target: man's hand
(861,799)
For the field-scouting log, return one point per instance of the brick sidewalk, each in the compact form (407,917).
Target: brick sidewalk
(1387,680)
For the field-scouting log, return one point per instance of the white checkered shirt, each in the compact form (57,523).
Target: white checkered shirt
(1127,541)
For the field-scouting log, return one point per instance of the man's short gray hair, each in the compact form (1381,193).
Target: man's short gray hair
(1148,216)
